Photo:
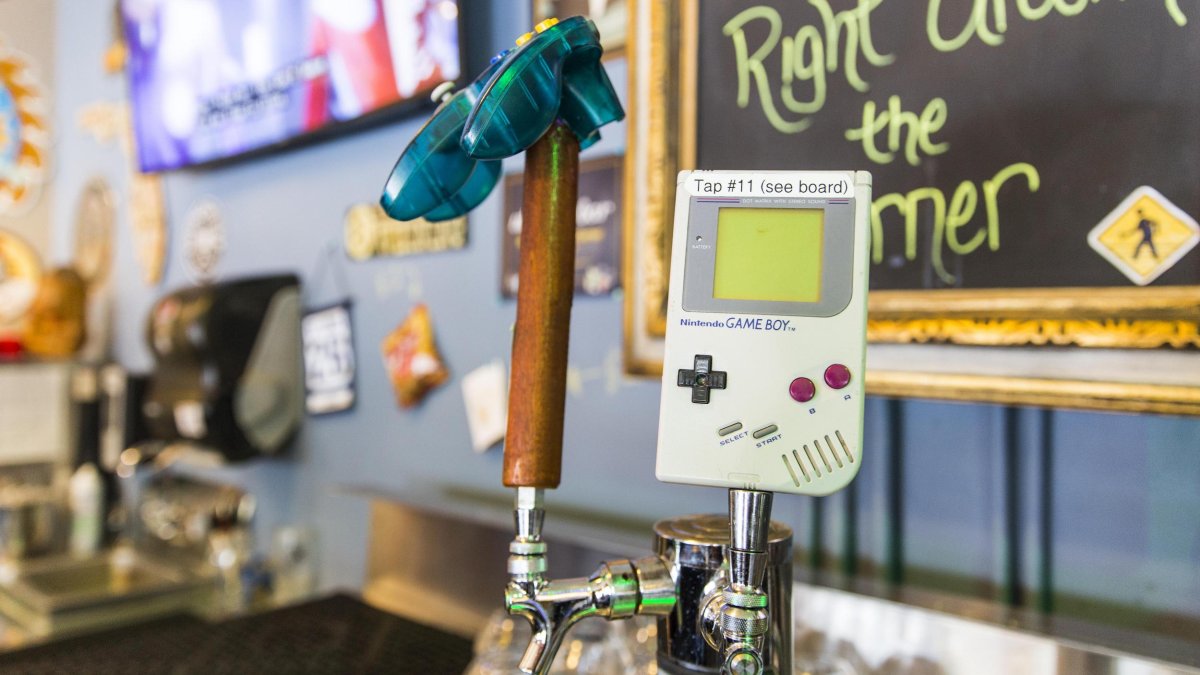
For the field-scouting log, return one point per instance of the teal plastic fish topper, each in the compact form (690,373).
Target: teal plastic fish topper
(453,163)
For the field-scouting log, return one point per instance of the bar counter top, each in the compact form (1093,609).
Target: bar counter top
(336,635)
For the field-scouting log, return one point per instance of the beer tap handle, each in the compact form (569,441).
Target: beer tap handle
(537,394)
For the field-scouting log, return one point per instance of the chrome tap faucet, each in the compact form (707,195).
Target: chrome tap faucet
(722,603)
(736,617)
(618,589)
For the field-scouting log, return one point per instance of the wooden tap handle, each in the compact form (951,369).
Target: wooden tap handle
(537,389)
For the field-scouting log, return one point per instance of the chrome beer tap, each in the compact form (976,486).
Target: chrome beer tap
(720,587)
(618,589)
(736,616)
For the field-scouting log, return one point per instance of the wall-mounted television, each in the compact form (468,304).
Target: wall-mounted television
(213,79)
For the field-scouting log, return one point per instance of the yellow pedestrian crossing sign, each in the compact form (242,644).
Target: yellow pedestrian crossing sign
(1145,235)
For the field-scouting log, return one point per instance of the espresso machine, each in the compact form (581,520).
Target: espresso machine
(763,372)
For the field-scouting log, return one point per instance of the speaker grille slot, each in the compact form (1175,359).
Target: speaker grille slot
(800,464)
(791,471)
(812,462)
(845,447)
(821,453)
(833,451)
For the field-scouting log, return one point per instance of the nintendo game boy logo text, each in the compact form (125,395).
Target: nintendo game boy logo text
(743,323)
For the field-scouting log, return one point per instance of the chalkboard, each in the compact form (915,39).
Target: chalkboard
(1084,100)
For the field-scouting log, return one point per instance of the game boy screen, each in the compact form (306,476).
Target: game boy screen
(769,254)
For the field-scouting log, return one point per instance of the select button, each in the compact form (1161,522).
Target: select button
(766,431)
(729,429)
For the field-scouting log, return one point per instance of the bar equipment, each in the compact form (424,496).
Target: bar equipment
(695,547)
(719,586)
(186,550)
(228,368)
(121,421)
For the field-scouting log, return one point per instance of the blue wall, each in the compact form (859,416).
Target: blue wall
(1125,511)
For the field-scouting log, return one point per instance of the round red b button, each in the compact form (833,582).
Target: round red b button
(837,376)
(802,389)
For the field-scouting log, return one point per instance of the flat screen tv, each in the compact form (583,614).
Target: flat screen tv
(213,79)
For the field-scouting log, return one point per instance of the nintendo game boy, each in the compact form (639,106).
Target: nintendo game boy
(763,371)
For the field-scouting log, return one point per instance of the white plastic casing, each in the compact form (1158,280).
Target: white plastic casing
(817,447)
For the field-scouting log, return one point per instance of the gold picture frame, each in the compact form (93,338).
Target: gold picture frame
(1159,323)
